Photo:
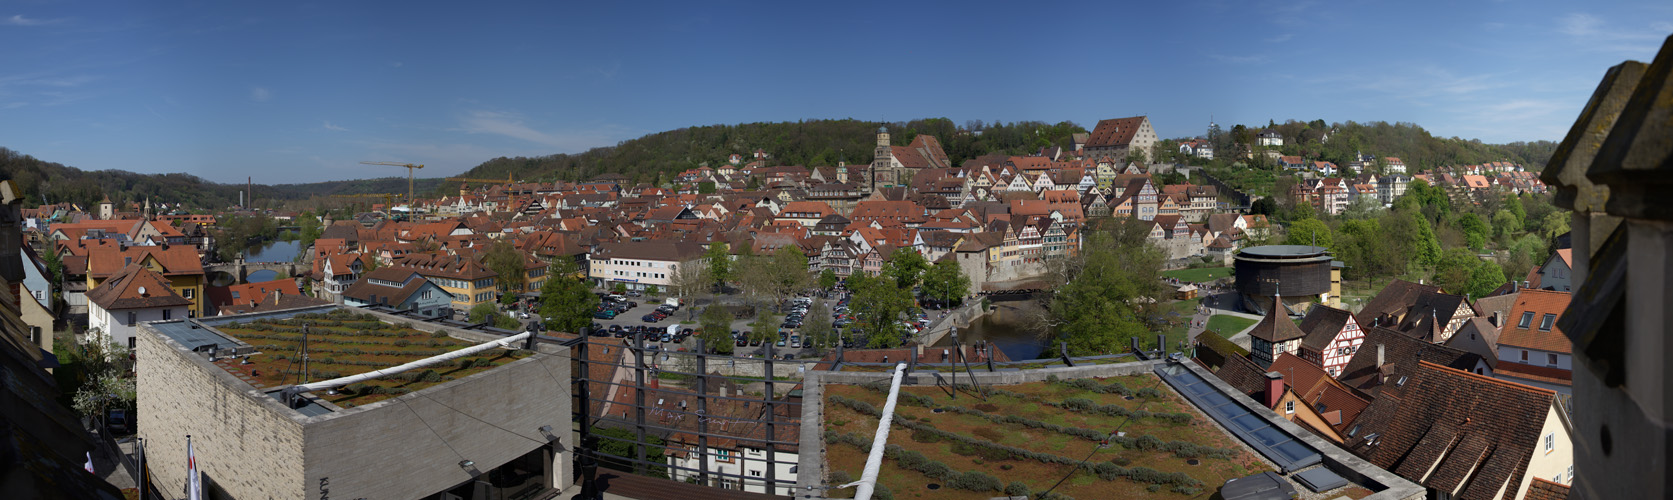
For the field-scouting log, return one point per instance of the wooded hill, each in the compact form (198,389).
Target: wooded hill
(1411,143)
(48,182)
(657,157)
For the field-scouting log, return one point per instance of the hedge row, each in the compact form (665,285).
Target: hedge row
(1146,442)
(1011,451)
(1180,482)
(1083,405)
(976,481)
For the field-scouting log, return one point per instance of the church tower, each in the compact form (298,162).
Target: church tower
(883,172)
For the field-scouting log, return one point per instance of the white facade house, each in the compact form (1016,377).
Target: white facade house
(641,264)
(128,298)
(743,461)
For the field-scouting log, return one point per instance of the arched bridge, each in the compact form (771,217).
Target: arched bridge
(241,270)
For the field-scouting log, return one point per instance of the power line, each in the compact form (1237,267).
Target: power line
(432,429)
(1095,449)
(473,417)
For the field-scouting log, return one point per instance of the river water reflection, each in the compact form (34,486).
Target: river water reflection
(1008,327)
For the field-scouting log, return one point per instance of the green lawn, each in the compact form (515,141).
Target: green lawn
(1228,325)
(1199,275)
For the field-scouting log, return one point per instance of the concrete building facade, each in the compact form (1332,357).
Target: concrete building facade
(435,442)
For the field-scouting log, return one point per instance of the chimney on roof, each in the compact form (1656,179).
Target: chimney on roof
(1274,388)
(1379,356)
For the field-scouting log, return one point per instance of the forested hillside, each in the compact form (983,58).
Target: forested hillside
(1339,142)
(657,157)
(48,182)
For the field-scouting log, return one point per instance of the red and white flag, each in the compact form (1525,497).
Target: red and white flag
(194,484)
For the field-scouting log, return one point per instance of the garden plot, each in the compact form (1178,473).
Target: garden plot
(1119,437)
(342,343)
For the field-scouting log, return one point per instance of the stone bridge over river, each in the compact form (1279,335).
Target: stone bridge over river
(239,271)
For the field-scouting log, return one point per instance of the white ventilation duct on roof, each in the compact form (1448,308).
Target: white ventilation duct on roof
(868,479)
(340,381)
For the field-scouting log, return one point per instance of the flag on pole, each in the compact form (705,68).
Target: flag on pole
(89,465)
(194,486)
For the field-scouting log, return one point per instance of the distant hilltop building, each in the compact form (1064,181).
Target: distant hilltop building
(894,165)
(1115,137)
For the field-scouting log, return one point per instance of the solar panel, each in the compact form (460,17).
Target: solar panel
(1274,443)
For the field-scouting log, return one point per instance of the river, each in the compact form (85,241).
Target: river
(1008,327)
(272,251)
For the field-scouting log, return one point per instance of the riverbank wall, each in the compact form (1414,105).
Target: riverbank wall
(972,310)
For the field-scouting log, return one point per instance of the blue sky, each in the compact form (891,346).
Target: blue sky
(294,92)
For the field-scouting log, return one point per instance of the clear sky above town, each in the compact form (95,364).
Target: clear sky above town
(292,92)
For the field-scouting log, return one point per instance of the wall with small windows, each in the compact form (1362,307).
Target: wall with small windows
(1554,456)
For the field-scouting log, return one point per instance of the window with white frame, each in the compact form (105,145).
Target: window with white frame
(1550,442)
(1289,407)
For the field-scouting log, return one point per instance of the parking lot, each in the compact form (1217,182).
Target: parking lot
(633,318)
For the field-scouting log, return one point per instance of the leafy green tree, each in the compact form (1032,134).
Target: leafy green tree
(1554,224)
(705,187)
(716,325)
(1475,230)
(1505,222)
(484,312)
(1309,232)
(566,303)
(945,281)
(765,326)
(1265,206)
(816,326)
(54,265)
(905,267)
(652,290)
(1485,278)
(827,279)
(508,262)
(619,288)
(879,306)
(1101,305)
(506,322)
(1453,271)
(720,263)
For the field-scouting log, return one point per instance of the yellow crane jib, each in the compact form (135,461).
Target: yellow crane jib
(410,168)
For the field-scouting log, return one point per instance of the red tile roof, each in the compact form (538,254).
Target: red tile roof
(135,287)
(1455,430)
(1542,489)
(1323,393)
(1115,132)
(1538,303)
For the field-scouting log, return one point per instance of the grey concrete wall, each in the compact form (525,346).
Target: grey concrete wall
(246,443)
(411,446)
(405,447)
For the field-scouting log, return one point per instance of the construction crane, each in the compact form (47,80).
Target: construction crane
(410,168)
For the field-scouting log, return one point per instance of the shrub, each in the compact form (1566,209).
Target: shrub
(1153,488)
(402,342)
(1016,489)
(841,477)
(937,470)
(1148,443)
(1078,403)
(975,481)
(924,437)
(1149,392)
